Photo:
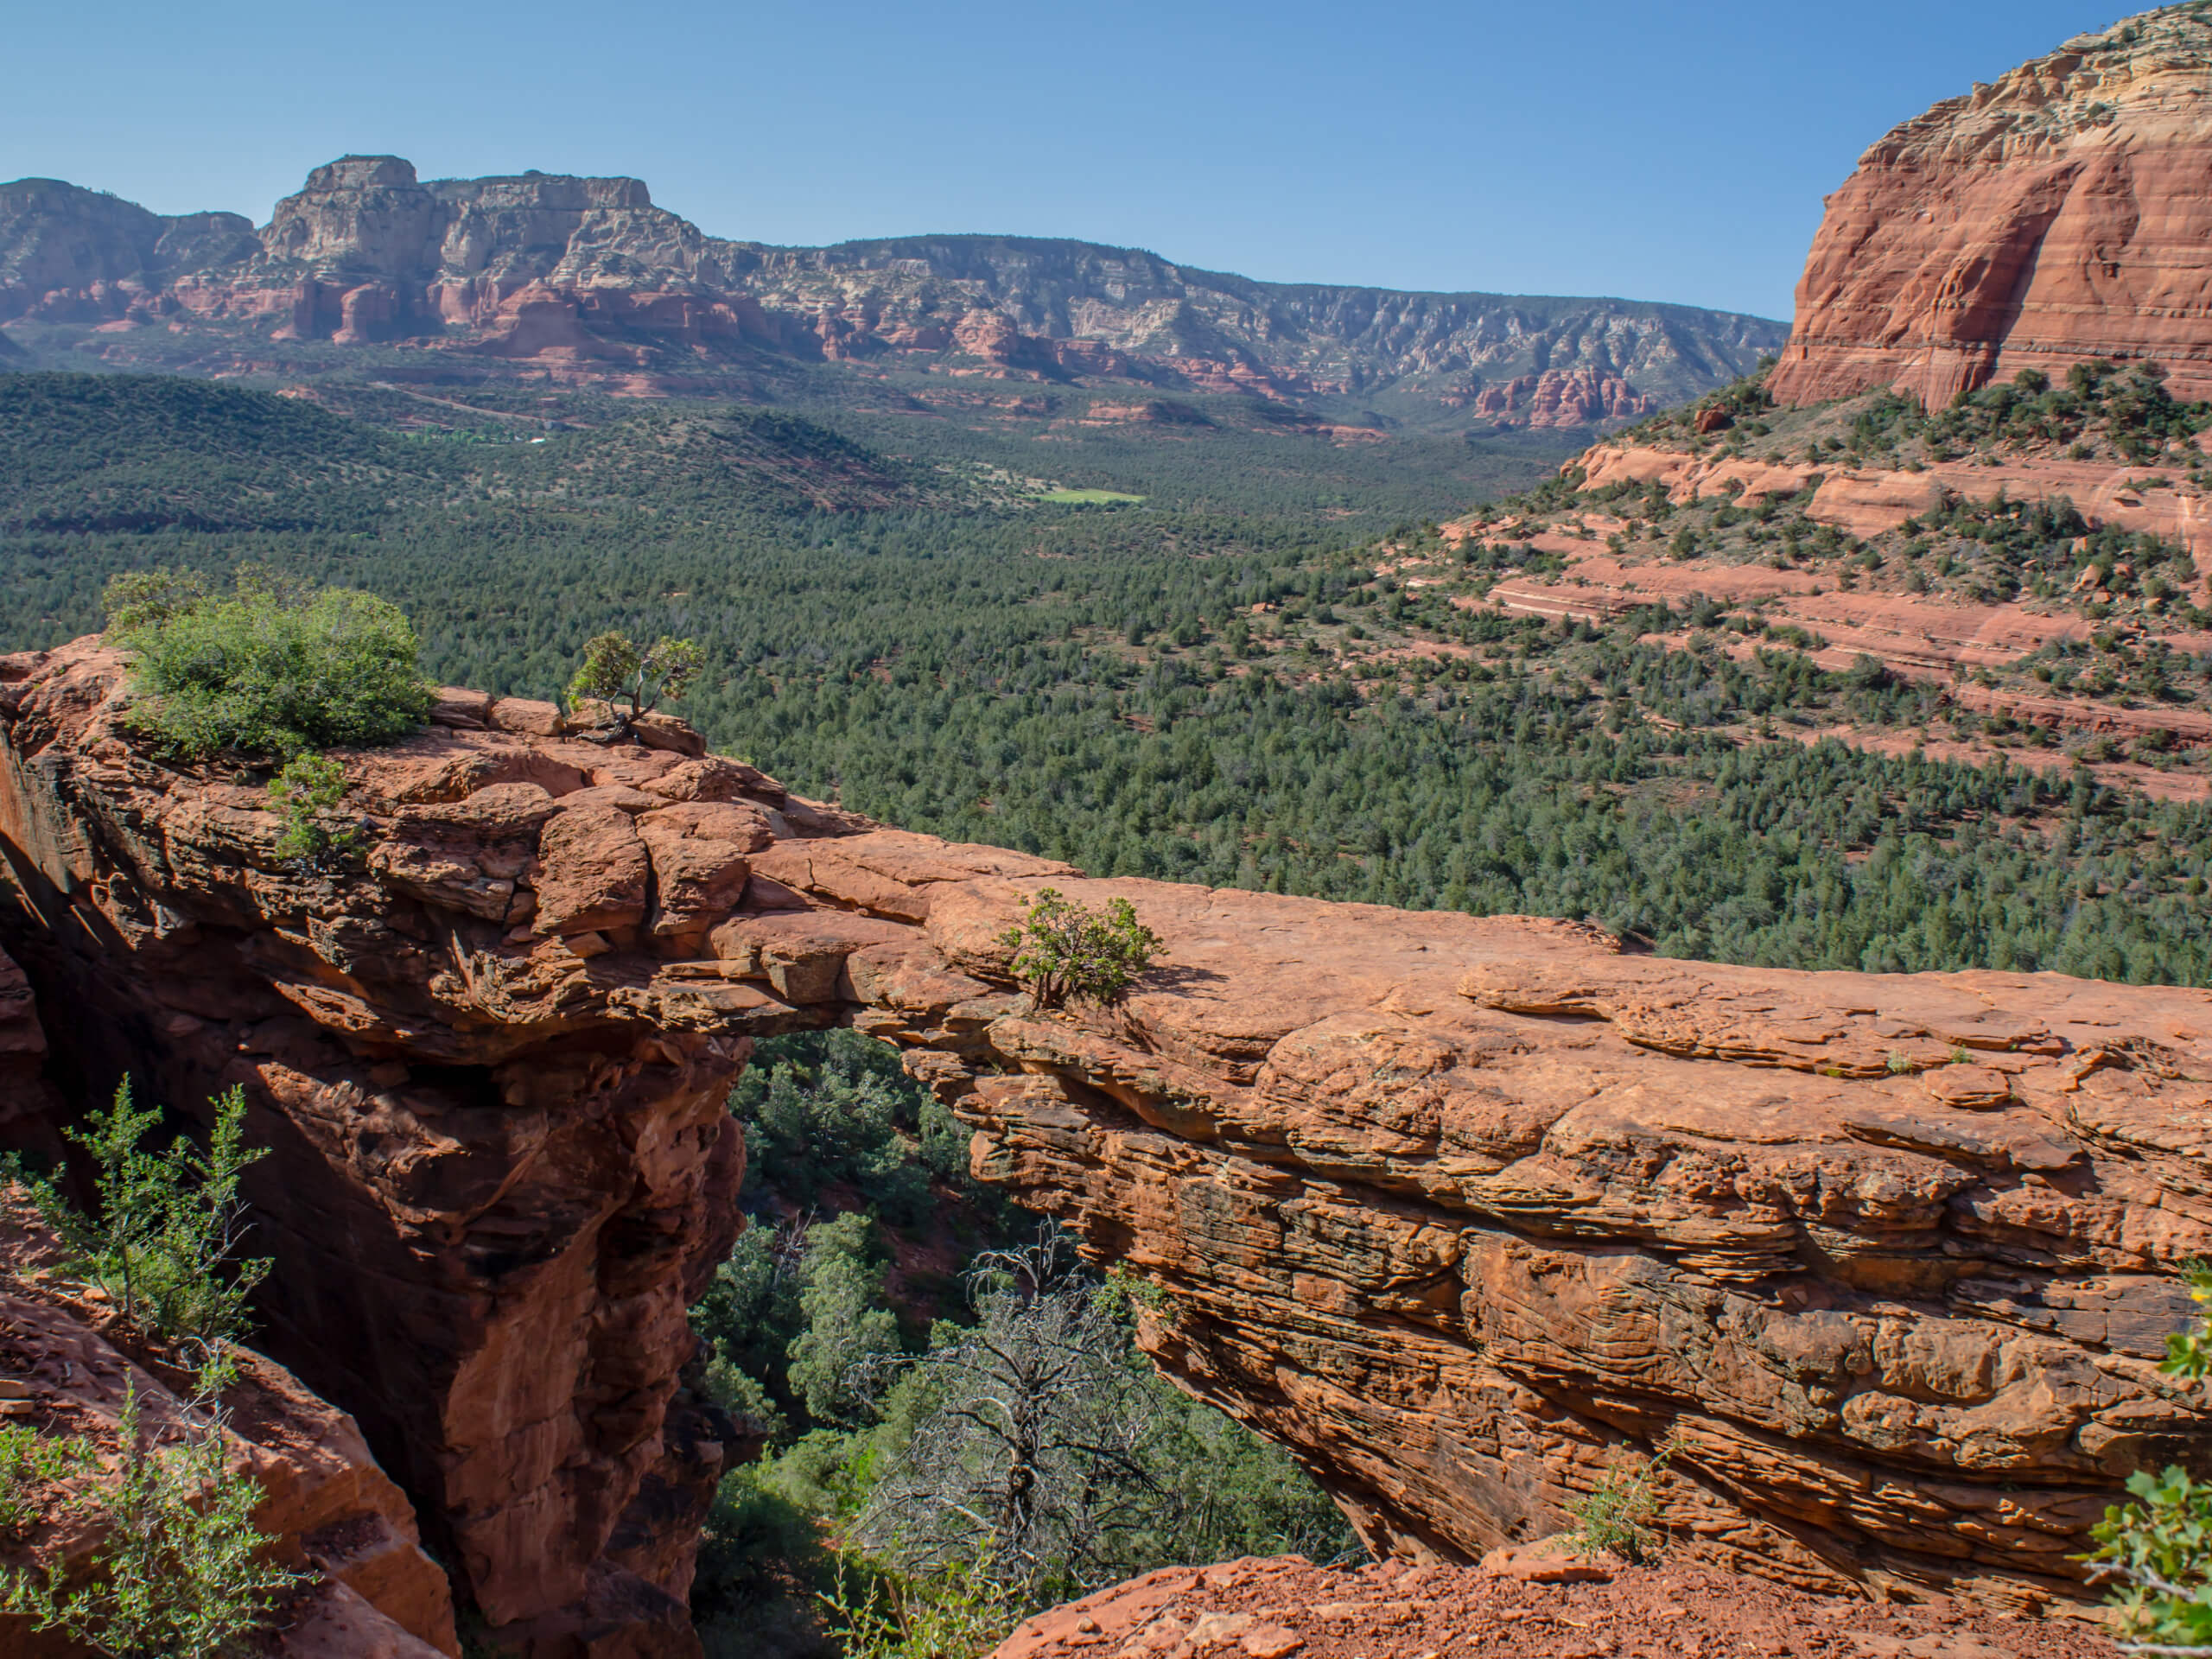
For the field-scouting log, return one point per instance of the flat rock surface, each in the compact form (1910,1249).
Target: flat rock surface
(1271,1608)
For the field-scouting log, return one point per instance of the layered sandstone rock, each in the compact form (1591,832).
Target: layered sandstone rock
(330,1512)
(1462,1212)
(1563,397)
(1870,500)
(2059,215)
(77,255)
(491,1200)
(588,278)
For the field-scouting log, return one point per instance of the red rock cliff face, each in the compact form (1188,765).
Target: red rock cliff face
(1556,397)
(490,1198)
(1459,1210)
(2059,215)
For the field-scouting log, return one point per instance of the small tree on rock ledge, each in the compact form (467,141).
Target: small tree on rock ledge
(1065,949)
(616,668)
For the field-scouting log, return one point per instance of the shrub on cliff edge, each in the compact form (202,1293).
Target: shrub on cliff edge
(164,1247)
(2160,1547)
(272,667)
(308,797)
(182,1572)
(1065,949)
(616,668)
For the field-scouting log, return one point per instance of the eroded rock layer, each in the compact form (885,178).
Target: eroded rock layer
(2062,214)
(587,281)
(1463,1210)
(331,1513)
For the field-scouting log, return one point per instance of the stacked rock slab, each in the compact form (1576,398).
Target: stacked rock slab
(1463,1212)
(2059,215)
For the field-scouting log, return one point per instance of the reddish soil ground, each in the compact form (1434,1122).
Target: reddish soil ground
(1275,1609)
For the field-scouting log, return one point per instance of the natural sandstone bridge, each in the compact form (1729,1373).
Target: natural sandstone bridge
(1458,1210)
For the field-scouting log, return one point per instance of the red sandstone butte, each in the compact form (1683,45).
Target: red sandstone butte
(1565,397)
(2061,214)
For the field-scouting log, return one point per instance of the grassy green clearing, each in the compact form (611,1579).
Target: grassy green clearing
(1086,498)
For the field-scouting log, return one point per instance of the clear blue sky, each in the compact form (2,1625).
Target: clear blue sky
(1666,151)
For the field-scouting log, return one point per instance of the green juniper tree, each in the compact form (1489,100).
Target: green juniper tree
(2159,1548)
(1065,951)
(164,1246)
(617,670)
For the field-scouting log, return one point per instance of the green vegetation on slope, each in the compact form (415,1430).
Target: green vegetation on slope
(1237,698)
(869,1300)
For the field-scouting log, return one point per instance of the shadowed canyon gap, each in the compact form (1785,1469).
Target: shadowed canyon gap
(1455,1208)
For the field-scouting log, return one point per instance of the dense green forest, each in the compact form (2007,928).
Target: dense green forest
(1238,697)
(875,1282)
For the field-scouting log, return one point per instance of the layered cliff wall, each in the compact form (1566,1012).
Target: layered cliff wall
(1459,1210)
(587,278)
(2058,215)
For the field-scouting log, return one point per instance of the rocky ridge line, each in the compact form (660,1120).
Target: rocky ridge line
(587,279)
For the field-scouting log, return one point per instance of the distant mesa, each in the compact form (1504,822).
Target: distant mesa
(585,281)
(1564,397)
(2062,214)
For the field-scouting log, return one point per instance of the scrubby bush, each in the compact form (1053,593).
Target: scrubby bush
(957,1612)
(307,795)
(1618,1513)
(163,1246)
(2159,1548)
(30,1460)
(1065,950)
(181,1572)
(272,667)
(761,1561)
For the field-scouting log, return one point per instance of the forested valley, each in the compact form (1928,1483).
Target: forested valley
(1244,691)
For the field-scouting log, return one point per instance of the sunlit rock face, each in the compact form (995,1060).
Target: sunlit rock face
(2060,215)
